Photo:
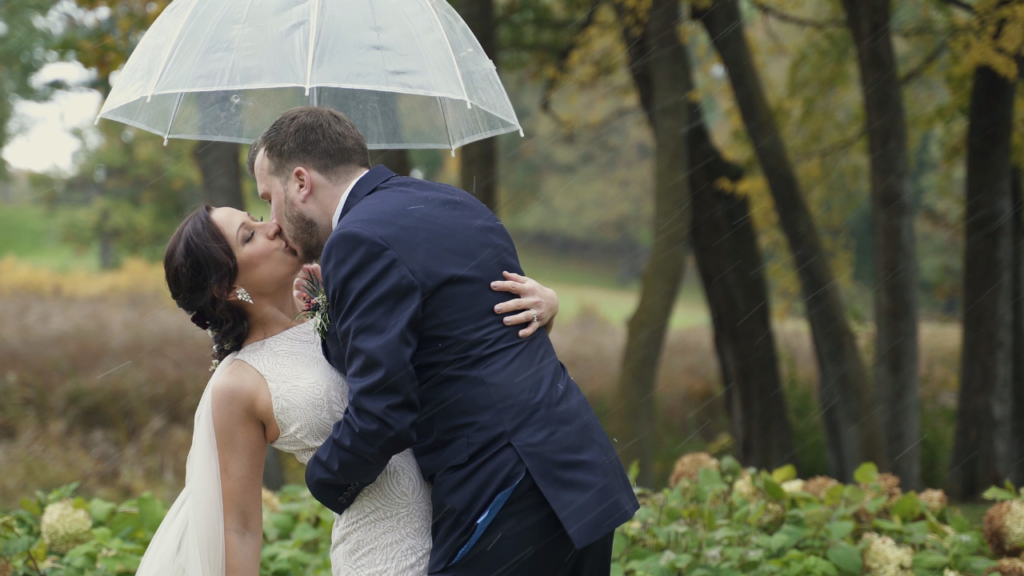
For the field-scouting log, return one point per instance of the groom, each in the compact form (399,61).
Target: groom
(524,478)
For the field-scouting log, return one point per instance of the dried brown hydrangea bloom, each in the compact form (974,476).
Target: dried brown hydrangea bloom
(1008,567)
(934,500)
(6,569)
(688,467)
(1004,528)
(819,486)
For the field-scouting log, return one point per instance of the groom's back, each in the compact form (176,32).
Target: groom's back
(491,404)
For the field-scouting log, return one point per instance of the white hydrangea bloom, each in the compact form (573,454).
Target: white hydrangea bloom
(745,489)
(1013,523)
(883,557)
(64,527)
(793,486)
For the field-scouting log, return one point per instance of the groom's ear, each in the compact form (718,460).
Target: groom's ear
(303,183)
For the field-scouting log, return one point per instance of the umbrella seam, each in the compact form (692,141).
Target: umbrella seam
(170,49)
(451,52)
(312,44)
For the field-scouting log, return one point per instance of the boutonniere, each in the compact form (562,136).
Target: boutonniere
(316,305)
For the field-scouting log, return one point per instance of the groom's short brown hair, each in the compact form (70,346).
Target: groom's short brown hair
(319,138)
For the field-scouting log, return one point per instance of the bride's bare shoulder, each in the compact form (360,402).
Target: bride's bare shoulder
(240,391)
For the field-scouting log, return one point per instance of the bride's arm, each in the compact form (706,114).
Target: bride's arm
(532,297)
(237,410)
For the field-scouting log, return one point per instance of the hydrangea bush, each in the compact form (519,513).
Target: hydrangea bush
(716,519)
(56,534)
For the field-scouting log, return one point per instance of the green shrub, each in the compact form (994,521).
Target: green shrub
(46,536)
(733,522)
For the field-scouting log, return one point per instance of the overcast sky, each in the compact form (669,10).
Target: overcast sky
(44,141)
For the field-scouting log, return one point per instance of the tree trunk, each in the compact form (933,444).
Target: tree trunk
(479,161)
(892,210)
(221,169)
(666,63)
(850,424)
(980,450)
(397,160)
(1017,379)
(731,269)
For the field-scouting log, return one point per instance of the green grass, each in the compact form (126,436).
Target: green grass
(33,233)
(582,285)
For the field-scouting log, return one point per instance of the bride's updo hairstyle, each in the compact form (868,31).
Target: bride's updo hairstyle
(201,270)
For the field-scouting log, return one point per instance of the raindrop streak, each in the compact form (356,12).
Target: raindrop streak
(113,370)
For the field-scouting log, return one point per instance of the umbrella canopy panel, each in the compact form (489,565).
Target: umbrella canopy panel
(409,73)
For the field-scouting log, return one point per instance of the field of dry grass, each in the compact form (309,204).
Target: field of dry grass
(101,389)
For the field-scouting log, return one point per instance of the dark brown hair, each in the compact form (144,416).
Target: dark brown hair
(319,138)
(201,270)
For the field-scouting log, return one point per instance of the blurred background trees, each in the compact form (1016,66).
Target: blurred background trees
(730,176)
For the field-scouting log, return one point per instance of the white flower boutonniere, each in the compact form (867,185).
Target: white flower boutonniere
(316,306)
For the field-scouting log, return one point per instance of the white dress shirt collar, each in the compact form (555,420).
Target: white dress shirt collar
(341,203)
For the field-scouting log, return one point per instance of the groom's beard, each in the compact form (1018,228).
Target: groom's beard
(303,234)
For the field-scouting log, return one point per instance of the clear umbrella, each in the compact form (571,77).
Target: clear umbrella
(409,73)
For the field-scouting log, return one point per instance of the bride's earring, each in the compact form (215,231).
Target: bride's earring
(243,295)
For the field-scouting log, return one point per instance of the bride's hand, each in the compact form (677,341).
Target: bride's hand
(533,297)
(309,271)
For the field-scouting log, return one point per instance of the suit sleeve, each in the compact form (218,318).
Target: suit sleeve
(375,304)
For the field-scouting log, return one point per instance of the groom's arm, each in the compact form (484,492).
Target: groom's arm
(375,302)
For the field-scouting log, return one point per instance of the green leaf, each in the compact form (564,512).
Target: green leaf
(634,471)
(31,506)
(928,560)
(997,493)
(841,528)
(907,508)
(866,473)
(100,510)
(774,490)
(846,557)
(834,495)
(151,512)
(783,474)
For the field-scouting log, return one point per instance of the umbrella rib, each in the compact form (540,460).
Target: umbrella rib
(167,55)
(451,53)
(446,127)
(312,43)
(177,103)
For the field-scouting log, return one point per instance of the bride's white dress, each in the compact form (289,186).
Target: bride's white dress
(386,530)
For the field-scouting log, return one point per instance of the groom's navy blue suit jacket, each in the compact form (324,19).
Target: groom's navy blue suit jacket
(430,367)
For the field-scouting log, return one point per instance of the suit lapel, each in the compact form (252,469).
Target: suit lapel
(365,186)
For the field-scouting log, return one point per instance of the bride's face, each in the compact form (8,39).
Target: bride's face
(266,263)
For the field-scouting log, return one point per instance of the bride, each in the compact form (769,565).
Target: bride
(272,385)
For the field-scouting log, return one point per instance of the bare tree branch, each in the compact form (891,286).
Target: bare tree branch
(930,59)
(798,20)
(960,4)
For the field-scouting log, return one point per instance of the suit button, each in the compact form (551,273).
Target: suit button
(343,500)
(350,491)
(354,485)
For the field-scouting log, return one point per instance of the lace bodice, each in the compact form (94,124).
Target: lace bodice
(309,396)
(386,530)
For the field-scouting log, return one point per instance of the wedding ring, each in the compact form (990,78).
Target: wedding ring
(534,315)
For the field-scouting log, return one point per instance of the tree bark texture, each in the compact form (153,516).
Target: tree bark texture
(478,167)
(397,160)
(665,63)
(892,211)
(851,424)
(1017,378)
(980,449)
(221,169)
(732,272)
